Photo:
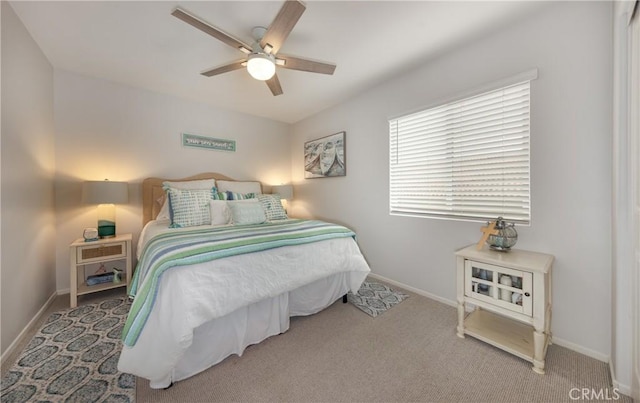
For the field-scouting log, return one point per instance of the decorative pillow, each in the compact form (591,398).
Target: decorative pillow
(272,206)
(189,208)
(232,195)
(184,185)
(239,187)
(220,213)
(164,210)
(246,212)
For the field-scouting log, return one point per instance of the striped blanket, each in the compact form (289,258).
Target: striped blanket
(168,250)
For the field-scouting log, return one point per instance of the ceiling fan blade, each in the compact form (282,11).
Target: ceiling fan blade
(206,28)
(274,85)
(282,25)
(238,64)
(296,63)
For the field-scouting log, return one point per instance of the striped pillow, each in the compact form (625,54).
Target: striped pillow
(272,206)
(189,207)
(227,195)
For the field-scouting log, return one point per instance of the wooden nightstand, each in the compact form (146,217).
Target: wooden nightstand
(512,291)
(116,251)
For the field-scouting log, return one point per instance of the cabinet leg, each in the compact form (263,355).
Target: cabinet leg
(538,351)
(547,328)
(460,328)
(73,290)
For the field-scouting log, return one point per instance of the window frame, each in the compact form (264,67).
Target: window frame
(451,213)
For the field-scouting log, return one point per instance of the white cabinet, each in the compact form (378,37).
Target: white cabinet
(512,295)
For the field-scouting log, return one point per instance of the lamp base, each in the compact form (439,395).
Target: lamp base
(106,229)
(106,221)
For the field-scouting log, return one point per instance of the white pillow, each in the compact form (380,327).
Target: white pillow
(164,210)
(184,185)
(239,187)
(190,185)
(246,212)
(220,213)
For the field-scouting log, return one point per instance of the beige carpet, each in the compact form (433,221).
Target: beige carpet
(409,353)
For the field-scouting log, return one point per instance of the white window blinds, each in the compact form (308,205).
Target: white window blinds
(468,159)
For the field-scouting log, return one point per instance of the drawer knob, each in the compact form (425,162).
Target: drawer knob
(526,294)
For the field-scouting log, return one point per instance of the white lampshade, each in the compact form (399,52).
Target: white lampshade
(261,66)
(285,191)
(105,192)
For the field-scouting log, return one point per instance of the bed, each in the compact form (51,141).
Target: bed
(190,312)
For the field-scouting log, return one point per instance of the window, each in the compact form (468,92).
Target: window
(467,159)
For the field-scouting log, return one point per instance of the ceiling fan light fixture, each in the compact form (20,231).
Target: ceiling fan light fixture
(261,57)
(261,66)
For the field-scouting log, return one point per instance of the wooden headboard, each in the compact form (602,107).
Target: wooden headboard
(153,195)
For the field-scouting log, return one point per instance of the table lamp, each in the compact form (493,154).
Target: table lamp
(285,191)
(105,194)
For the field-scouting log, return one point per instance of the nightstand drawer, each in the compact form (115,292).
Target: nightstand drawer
(100,252)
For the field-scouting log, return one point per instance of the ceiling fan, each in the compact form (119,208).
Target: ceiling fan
(262,57)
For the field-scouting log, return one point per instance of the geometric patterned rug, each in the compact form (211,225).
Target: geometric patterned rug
(74,358)
(375,298)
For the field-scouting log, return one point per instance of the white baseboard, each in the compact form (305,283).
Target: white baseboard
(582,350)
(612,373)
(37,316)
(571,346)
(622,388)
(414,290)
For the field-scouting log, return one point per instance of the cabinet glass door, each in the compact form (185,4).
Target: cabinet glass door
(482,281)
(499,286)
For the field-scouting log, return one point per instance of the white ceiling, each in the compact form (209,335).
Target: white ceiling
(142,45)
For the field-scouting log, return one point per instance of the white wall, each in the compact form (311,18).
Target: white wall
(108,130)
(28,221)
(571,45)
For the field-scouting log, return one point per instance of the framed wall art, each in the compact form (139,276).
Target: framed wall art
(325,157)
(210,143)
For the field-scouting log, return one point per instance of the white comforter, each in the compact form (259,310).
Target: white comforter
(190,296)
